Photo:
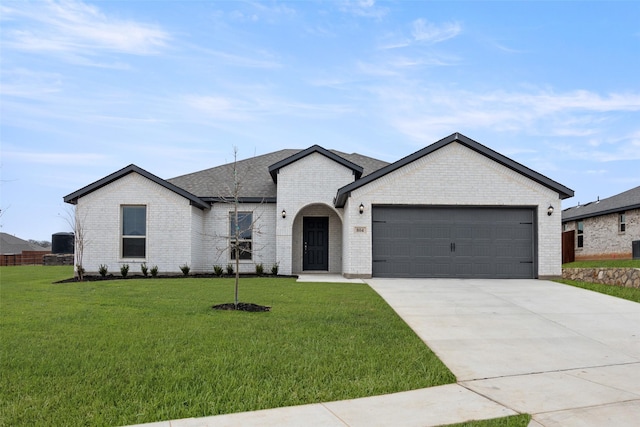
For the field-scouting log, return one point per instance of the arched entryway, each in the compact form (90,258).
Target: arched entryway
(317,240)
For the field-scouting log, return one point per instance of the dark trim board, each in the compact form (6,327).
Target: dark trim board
(454,241)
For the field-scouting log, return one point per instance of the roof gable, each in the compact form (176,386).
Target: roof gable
(274,168)
(73,197)
(626,200)
(563,192)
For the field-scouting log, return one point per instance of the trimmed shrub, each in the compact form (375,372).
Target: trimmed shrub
(185,269)
(218,270)
(154,271)
(103,270)
(144,269)
(259,269)
(124,270)
(274,269)
(229,269)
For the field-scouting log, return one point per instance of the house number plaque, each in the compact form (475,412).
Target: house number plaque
(361,229)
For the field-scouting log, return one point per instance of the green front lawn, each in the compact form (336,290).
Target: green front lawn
(522,420)
(133,351)
(609,263)
(631,294)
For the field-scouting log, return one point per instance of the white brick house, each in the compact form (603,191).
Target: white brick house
(453,209)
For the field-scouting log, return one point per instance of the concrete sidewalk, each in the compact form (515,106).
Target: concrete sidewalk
(567,356)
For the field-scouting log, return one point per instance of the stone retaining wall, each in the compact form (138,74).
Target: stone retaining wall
(625,277)
(58,259)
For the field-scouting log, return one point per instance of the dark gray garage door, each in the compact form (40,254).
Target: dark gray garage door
(417,241)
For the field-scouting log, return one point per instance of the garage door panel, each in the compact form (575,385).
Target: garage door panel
(453,242)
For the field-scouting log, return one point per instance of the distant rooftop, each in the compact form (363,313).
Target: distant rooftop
(627,200)
(14,245)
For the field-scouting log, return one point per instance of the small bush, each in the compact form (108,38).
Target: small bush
(185,269)
(218,270)
(103,270)
(144,269)
(124,270)
(229,269)
(259,269)
(154,271)
(274,269)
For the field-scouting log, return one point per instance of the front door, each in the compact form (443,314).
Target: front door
(315,245)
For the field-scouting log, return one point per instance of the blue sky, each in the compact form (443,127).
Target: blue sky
(90,87)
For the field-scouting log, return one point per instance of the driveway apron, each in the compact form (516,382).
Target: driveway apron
(568,356)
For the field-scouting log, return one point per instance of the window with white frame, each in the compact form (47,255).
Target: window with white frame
(134,231)
(622,223)
(240,235)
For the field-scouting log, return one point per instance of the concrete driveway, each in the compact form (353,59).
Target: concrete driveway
(568,356)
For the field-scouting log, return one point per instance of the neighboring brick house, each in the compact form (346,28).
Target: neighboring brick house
(453,209)
(605,228)
(15,251)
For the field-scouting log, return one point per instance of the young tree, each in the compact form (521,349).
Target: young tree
(77,224)
(242,226)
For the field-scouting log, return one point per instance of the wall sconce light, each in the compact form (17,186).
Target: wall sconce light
(361,208)
(284,213)
(549,210)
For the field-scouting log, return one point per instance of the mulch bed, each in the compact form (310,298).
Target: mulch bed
(98,278)
(242,306)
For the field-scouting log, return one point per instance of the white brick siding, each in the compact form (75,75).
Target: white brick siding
(216,236)
(311,184)
(169,239)
(452,175)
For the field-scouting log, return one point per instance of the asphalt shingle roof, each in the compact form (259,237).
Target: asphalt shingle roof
(627,200)
(14,245)
(254,177)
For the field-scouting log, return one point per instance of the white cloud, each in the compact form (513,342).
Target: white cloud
(73,27)
(256,60)
(364,8)
(68,159)
(219,108)
(21,82)
(427,32)
(581,119)
(255,108)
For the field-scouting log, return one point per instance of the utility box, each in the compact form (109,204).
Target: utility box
(635,249)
